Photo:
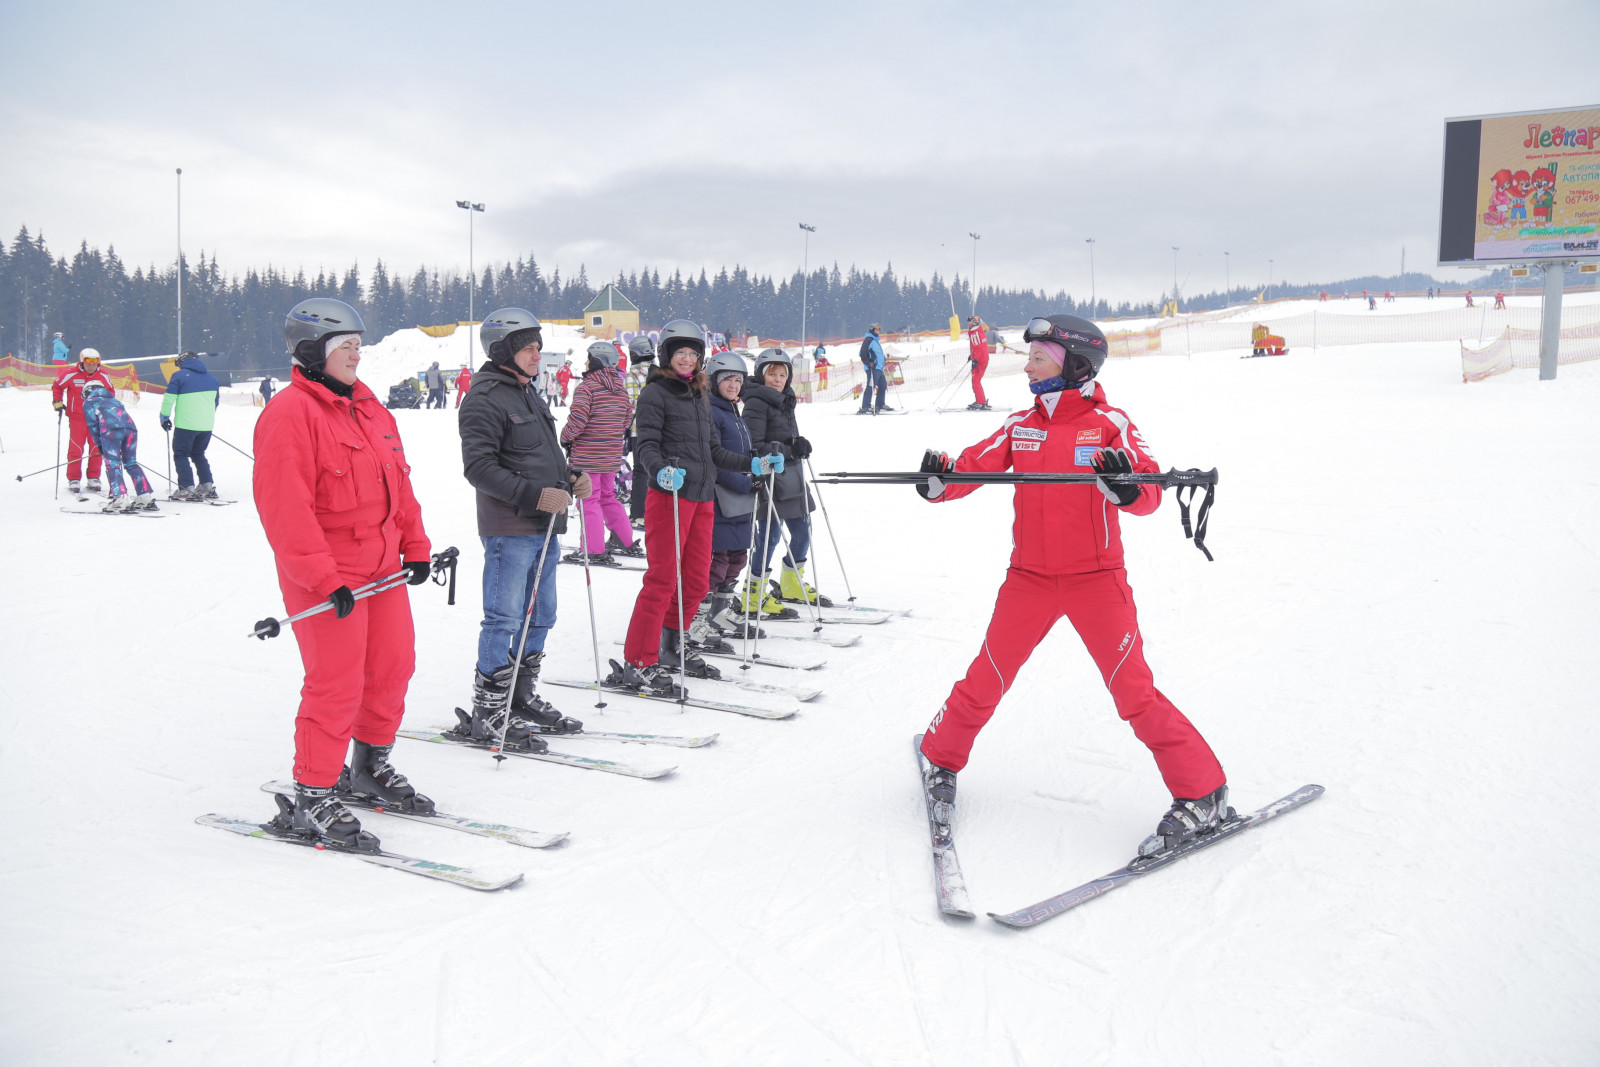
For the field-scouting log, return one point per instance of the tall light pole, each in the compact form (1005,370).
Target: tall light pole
(1269,274)
(1174,274)
(180,259)
(1227,277)
(1090,242)
(472,280)
(805,281)
(975,239)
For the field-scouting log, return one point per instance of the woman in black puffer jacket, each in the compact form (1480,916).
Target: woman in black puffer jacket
(677,444)
(769,411)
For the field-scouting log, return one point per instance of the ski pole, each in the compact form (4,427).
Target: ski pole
(442,562)
(766,552)
(677,556)
(813,611)
(516,663)
(41,470)
(850,595)
(58,454)
(273,627)
(168,475)
(588,588)
(744,596)
(233,446)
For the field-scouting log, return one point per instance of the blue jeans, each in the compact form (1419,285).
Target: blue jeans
(186,445)
(875,378)
(508,571)
(767,540)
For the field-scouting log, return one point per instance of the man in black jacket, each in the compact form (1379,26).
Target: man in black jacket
(513,458)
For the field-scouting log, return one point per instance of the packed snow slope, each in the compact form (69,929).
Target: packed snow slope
(1402,609)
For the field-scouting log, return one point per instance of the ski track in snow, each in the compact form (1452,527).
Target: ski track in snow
(1402,609)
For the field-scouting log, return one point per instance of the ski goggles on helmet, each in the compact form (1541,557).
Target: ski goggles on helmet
(1044,330)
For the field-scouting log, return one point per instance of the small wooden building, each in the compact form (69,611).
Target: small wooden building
(610,313)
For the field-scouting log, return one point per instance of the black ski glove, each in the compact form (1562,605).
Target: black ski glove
(166,423)
(1115,461)
(800,447)
(420,572)
(343,601)
(934,463)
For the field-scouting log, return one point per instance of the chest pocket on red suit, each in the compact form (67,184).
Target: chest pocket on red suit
(336,479)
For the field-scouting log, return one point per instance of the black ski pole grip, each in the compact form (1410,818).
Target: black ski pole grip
(446,561)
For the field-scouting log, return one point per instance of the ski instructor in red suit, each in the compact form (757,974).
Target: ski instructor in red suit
(333,489)
(1067,560)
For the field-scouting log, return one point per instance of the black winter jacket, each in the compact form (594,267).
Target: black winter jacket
(770,416)
(510,453)
(673,422)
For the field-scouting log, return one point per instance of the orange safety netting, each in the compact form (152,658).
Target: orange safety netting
(24,375)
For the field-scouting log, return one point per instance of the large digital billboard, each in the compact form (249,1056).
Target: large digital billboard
(1522,187)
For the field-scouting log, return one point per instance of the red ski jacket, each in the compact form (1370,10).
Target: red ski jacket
(1062,529)
(333,489)
(69,386)
(977,341)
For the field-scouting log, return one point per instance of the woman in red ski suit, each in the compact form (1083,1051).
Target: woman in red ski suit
(1067,560)
(333,490)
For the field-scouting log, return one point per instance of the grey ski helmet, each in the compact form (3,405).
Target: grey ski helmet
(311,322)
(723,364)
(676,334)
(94,389)
(508,331)
(602,354)
(641,349)
(767,358)
(1085,344)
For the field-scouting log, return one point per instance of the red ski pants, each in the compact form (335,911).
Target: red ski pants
(978,368)
(357,672)
(657,605)
(1100,607)
(78,443)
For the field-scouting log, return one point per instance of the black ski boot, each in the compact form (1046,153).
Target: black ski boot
(617,548)
(315,814)
(656,679)
(1187,820)
(941,784)
(528,706)
(491,693)
(702,634)
(371,775)
(693,665)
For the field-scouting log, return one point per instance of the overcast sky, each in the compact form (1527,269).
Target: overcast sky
(700,134)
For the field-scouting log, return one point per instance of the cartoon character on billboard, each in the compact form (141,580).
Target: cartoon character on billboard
(1519,196)
(1544,193)
(1500,199)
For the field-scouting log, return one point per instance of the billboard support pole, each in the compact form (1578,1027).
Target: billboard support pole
(1550,326)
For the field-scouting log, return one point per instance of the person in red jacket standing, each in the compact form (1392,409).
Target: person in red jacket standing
(463,383)
(333,490)
(978,356)
(67,395)
(563,379)
(1067,560)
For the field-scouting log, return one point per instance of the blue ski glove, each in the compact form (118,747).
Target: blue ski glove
(761,466)
(670,478)
(166,423)
(1115,461)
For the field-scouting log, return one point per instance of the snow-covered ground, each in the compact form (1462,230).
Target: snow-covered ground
(1403,609)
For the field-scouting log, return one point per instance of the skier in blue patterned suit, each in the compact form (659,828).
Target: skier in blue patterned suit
(114,434)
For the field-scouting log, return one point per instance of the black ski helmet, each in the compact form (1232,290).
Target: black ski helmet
(767,358)
(508,331)
(675,335)
(1085,344)
(309,325)
(641,349)
(602,354)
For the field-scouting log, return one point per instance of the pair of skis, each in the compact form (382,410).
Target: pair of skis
(951,886)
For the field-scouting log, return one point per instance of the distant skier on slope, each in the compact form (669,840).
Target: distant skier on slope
(1068,561)
(978,357)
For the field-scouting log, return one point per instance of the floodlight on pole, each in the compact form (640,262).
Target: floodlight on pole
(469,207)
(1227,276)
(976,237)
(180,259)
(1174,274)
(805,280)
(1090,242)
(1269,274)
